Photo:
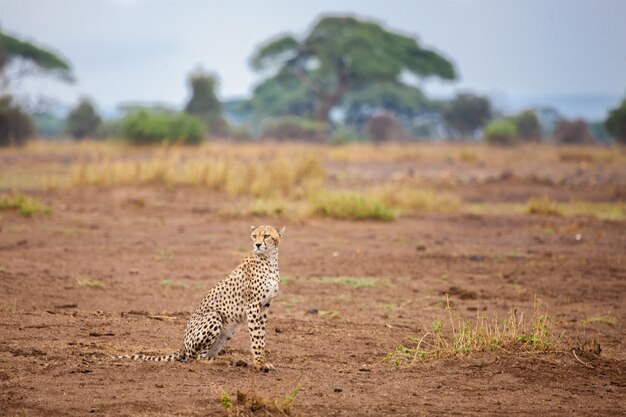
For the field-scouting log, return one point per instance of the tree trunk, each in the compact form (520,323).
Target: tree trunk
(324,103)
(323,106)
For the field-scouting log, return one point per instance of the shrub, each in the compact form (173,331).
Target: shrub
(350,205)
(142,128)
(343,135)
(82,121)
(16,126)
(467,113)
(112,128)
(383,127)
(615,123)
(292,127)
(572,132)
(528,126)
(500,132)
(204,103)
(239,133)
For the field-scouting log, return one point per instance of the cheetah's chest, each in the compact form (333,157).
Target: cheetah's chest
(270,290)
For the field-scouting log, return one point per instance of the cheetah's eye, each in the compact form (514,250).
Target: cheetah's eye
(266,236)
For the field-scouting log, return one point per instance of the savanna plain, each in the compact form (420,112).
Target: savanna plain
(417,279)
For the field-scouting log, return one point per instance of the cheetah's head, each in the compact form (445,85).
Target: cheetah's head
(265,238)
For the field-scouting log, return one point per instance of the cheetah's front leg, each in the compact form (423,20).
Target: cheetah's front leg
(256,327)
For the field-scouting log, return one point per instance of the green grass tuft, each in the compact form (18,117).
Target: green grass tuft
(226,402)
(355,282)
(350,205)
(174,284)
(608,320)
(23,204)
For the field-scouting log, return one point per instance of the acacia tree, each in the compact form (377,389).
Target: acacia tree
(403,102)
(25,58)
(342,54)
(18,59)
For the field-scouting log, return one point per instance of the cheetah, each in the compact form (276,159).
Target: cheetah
(242,297)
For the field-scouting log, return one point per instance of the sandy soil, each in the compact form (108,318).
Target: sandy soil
(154,263)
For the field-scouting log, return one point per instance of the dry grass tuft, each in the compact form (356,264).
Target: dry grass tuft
(543,206)
(485,334)
(91,283)
(414,200)
(252,404)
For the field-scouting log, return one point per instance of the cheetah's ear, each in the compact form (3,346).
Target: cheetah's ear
(252,227)
(281,231)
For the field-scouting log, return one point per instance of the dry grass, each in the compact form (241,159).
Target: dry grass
(91,283)
(600,210)
(297,181)
(408,199)
(251,404)
(268,178)
(484,334)
(543,206)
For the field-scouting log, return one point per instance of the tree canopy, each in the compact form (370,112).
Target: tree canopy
(342,54)
(403,101)
(615,123)
(33,57)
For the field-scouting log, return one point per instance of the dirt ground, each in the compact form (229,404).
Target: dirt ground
(104,275)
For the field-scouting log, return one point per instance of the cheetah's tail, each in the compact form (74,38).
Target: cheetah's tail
(178,356)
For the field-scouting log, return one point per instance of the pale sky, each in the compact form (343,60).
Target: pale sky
(143,50)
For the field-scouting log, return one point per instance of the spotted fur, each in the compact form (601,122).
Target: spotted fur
(242,298)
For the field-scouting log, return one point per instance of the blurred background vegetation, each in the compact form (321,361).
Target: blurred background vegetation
(344,80)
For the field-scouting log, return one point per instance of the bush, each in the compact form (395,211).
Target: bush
(528,126)
(344,135)
(82,121)
(239,133)
(467,113)
(615,123)
(142,128)
(16,126)
(292,127)
(204,103)
(110,129)
(572,132)
(500,132)
(383,127)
